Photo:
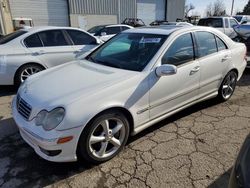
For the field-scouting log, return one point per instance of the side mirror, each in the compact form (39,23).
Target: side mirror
(103,33)
(166,70)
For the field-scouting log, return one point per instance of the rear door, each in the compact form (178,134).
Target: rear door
(83,43)
(214,57)
(50,47)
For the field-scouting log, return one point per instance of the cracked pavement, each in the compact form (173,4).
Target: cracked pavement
(194,148)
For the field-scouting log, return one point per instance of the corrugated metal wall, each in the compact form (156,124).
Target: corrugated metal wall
(121,8)
(43,12)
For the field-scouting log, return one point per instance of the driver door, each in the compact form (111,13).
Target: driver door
(169,93)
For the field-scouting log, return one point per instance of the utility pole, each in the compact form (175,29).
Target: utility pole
(232,9)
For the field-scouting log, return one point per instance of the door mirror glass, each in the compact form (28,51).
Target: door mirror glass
(103,33)
(244,22)
(166,70)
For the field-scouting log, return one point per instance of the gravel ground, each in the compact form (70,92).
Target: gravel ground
(194,148)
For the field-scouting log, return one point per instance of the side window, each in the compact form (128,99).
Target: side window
(226,23)
(206,43)
(181,51)
(124,28)
(233,23)
(53,38)
(33,41)
(220,44)
(113,30)
(81,38)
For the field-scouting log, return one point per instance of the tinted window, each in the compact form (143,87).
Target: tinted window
(124,28)
(206,43)
(112,30)
(33,41)
(11,36)
(211,22)
(81,38)
(220,44)
(180,51)
(233,23)
(226,23)
(238,18)
(130,51)
(53,38)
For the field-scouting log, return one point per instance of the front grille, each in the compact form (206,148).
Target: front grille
(23,107)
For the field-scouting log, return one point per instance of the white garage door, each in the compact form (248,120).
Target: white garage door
(150,10)
(43,12)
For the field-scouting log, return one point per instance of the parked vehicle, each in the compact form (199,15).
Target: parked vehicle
(224,24)
(105,32)
(22,23)
(1,35)
(158,22)
(134,22)
(242,19)
(28,51)
(88,109)
(178,23)
(240,174)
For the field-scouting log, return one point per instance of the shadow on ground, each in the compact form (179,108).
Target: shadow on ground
(7,90)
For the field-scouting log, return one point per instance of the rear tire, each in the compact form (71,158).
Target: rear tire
(227,87)
(104,137)
(25,71)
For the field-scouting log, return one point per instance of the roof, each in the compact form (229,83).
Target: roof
(161,30)
(42,28)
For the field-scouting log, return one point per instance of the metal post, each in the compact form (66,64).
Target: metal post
(232,9)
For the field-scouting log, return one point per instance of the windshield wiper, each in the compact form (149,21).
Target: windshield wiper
(108,64)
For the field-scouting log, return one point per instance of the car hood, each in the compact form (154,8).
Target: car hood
(67,83)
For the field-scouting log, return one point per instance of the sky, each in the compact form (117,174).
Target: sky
(200,5)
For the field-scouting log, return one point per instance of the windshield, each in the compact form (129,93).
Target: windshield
(96,29)
(130,51)
(238,18)
(211,22)
(7,38)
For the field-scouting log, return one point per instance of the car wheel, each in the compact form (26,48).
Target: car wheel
(228,86)
(25,71)
(104,137)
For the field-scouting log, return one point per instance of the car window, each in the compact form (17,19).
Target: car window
(220,44)
(211,22)
(53,38)
(81,38)
(112,30)
(129,51)
(33,41)
(233,23)
(181,51)
(206,43)
(11,36)
(226,23)
(124,28)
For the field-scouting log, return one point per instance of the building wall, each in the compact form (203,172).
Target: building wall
(175,9)
(6,19)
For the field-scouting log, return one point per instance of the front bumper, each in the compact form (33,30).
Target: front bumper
(45,142)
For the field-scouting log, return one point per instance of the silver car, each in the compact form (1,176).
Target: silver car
(29,51)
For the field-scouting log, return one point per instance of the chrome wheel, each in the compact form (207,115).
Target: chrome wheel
(28,72)
(228,85)
(107,137)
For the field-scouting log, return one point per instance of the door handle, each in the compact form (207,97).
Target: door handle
(194,70)
(41,52)
(225,58)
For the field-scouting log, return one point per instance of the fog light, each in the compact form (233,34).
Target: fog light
(64,139)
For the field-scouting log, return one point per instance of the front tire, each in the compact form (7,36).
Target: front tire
(104,137)
(227,87)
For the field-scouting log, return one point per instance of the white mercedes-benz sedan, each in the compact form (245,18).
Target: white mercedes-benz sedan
(88,108)
(29,51)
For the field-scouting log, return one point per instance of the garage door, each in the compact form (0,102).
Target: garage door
(43,12)
(150,10)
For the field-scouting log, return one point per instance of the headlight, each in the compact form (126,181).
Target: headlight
(50,120)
